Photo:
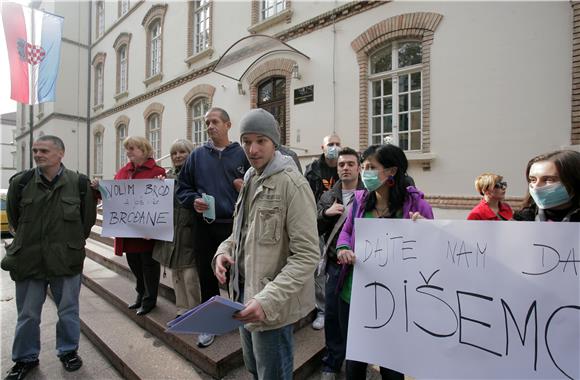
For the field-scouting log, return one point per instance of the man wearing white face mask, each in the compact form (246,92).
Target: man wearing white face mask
(554,188)
(322,175)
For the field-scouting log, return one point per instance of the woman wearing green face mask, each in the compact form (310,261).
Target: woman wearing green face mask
(387,195)
(553,188)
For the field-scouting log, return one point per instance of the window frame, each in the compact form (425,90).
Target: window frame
(123,68)
(200,11)
(100,14)
(266,5)
(154,118)
(124,6)
(199,121)
(99,83)
(394,74)
(120,149)
(155,48)
(98,152)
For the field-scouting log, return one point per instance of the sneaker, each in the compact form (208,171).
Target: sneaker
(318,323)
(21,369)
(204,340)
(71,361)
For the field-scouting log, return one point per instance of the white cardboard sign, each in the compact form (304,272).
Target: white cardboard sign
(141,208)
(467,299)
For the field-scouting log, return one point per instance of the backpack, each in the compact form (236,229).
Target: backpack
(27,176)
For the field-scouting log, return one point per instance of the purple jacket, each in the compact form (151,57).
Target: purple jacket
(413,202)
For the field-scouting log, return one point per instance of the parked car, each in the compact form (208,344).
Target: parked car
(3,216)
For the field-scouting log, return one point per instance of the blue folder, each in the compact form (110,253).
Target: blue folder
(215,316)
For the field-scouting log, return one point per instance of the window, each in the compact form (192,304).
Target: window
(122,56)
(121,135)
(99,84)
(198,110)
(201,26)
(272,98)
(155,49)
(154,134)
(99,153)
(271,8)
(123,7)
(396,95)
(100,18)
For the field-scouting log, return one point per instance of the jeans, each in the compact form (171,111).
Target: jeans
(269,354)
(30,296)
(335,341)
(358,370)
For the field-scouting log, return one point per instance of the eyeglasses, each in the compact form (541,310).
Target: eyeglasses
(501,185)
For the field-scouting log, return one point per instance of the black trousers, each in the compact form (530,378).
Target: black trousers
(207,238)
(146,271)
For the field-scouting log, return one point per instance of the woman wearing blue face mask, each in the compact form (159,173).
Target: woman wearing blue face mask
(387,195)
(554,188)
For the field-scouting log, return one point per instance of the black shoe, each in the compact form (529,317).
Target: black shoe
(136,305)
(21,369)
(71,361)
(145,309)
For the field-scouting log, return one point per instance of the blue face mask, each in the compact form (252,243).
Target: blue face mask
(370,179)
(332,152)
(549,196)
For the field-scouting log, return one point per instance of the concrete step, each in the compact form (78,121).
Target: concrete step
(133,351)
(309,344)
(217,360)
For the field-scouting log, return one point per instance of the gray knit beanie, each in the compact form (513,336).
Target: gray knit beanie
(261,122)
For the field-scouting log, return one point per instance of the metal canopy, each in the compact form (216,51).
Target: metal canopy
(244,52)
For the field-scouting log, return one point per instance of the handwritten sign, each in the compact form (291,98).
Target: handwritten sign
(138,208)
(467,299)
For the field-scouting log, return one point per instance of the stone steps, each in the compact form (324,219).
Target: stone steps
(109,277)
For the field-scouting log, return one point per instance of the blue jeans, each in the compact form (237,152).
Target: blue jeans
(30,296)
(269,354)
(335,341)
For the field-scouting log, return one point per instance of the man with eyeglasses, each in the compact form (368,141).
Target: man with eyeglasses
(492,206)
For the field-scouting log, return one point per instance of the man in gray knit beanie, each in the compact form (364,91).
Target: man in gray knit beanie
(274,237)
(260,122)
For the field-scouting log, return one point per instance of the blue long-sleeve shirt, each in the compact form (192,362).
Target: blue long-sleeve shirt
(211,171)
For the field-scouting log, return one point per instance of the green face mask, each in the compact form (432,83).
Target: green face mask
(370,179)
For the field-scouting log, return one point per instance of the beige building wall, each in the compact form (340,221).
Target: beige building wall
(499,92)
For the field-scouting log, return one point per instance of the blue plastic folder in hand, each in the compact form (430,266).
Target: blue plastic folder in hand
(215,316)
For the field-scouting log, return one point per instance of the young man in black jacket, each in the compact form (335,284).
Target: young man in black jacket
(333,207)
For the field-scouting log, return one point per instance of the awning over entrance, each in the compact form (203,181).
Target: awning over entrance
(239,58)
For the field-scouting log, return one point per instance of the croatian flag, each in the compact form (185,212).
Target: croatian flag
(33,42)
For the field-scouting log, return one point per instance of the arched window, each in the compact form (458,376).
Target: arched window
(198,110)
(154,133)
(123,66)
(121,135)
(99,84)
(272,98)
(100,18)
(98,156)
(155,48)
(395,81)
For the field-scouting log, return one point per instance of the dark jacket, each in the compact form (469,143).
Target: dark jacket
(320,176)
(532,213)
(326,223)
(50,230)
(208,170)
(148,170)
(177,254)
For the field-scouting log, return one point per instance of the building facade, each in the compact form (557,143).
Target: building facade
(7,134)
(463,87)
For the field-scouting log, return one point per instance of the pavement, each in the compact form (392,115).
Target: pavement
(95,365)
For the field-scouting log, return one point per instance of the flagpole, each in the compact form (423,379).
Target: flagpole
(89,50)
(32,87)
(31,125)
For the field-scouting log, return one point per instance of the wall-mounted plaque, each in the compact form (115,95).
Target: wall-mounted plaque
(304,94)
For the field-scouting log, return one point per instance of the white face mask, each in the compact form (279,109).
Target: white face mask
(332,152)
(549,196)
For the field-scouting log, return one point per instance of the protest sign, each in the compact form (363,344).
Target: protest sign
(140,208)
(467,299)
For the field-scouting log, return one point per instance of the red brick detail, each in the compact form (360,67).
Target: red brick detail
(199,91)
(274,67)
(420,26)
